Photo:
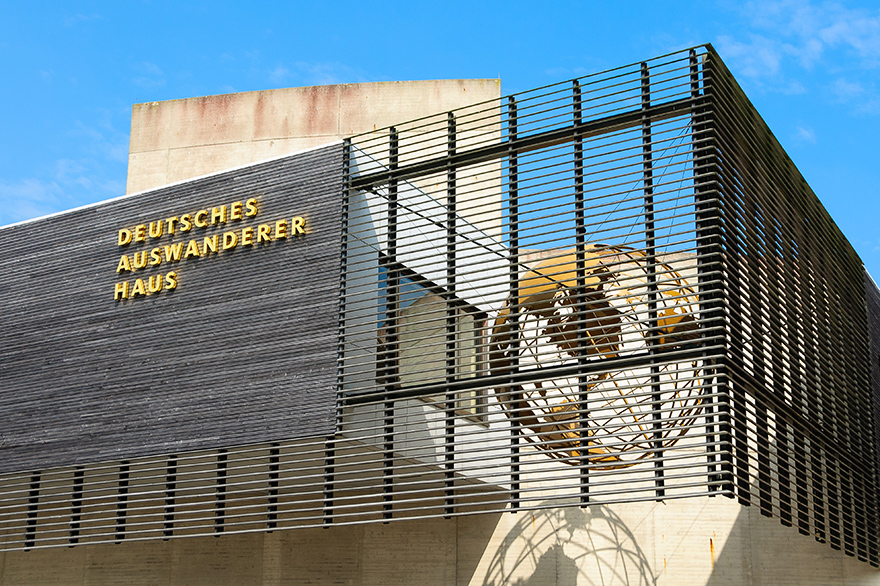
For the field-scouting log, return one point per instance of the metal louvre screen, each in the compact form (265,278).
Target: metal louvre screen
(872,298)
(527,316)
(612,289)
(799,359)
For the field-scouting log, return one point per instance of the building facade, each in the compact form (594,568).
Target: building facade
(601,332)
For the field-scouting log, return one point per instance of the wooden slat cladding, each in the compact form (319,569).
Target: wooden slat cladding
(243,350)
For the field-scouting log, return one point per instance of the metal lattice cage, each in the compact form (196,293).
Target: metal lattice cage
(612,417)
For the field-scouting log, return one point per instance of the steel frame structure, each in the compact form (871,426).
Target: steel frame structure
(670,313)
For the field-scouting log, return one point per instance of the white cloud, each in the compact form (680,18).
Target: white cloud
(322,73)
(151,68)
(102,139)
(862,98)
(279,75)
(97,172)
(792,87)
(869,105)
(568,72)
(804,135)
(28,198)
(846,90)
(313,73)
(76,182)
(146,82)
(759,60)
(78,18)
(117,151)
(72,183)
(809,30)
(295,73)
(796,46)
(808,53)
(857,29)
(759,57)
(65,169)
(86,175)
(151,75)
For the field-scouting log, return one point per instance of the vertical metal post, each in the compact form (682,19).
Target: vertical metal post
(170,495)
(513,277)
(708,236)
(330,445)
(451,311)
(122,500)
(732,175)
(822,483)
(30,531)
(835,533)
(220,498)
(800,323)
(847,517)
(329,478)
(581,302)
(757,226)
(783,322)
(274,468)
(392,308)
(651,257)
(76,504)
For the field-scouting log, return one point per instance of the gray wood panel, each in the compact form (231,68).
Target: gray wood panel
(243,350)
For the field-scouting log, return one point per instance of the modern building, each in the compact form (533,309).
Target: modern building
(601,332)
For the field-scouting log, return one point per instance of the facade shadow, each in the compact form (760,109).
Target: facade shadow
(759,550)
(568,547)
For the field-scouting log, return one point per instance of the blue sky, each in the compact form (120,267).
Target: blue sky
(72,70)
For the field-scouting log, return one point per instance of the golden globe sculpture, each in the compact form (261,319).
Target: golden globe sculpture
(608,419)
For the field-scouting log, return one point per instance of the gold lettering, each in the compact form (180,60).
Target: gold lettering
(230,239)
(171,280)
(209,244)
(280,229)
(155,284)
(124,236)
(235,211)
(297,225)
(138,288)
(247,236)
(218,215)
(251,205)
(201,219)
(263,233)
(155,257)
(123,265)
(139,259)
(185,223)
(120,291)
(192,249)
(140,233)
(172,253)
(170,223)
(156,229)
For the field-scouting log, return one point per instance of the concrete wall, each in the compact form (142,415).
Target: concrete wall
(180,139)
(691,541)
(697,541)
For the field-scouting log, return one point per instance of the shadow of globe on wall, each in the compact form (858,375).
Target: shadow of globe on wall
(569,546)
